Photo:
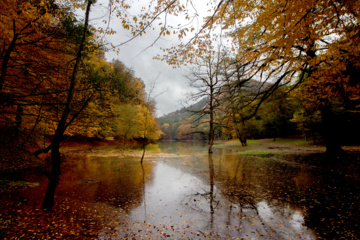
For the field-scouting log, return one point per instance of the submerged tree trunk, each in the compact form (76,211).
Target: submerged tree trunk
(330,130)
(211,139)
(144,140)
(48,201)
(211,126)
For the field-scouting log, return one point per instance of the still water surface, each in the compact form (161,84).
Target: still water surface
(182,192)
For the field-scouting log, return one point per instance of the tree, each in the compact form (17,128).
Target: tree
(64,121)
(43,74)
(150,127)
(31,56)
(113,111)
(237,95)
(206,79)
(282,41)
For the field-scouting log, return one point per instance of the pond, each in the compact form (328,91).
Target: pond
(182,192)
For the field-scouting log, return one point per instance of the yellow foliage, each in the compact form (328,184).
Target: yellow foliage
(280,39)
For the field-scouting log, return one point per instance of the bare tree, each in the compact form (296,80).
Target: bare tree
(149,104)
(206,79)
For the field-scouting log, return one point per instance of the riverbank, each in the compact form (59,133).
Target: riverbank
(85,201)
(16,159)
(303,152)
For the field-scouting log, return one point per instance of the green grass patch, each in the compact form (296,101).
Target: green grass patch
(263,153)
(297,142)
(8,185)
(257,153)
(234,143)
(152,147)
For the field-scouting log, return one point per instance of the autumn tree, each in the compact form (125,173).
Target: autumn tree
(284,40)
(238,94)
(113,112)
(43,74)
(206,80)
(65,121)
(32,56)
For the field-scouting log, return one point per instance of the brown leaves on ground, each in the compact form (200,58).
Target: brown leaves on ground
(19,220)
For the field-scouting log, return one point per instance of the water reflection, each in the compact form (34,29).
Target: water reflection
(214,196)
(116,181)
(183,192)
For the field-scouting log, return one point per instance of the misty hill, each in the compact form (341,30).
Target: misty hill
(182,118)
(273,118)
(183,113)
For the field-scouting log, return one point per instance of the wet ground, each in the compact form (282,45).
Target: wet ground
(182,192)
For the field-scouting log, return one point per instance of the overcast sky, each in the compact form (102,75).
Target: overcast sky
(138,55)
(171,84)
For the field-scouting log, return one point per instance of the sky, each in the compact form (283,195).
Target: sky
(171,84)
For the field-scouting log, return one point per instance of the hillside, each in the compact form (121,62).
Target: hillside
(273,119)
(181,120)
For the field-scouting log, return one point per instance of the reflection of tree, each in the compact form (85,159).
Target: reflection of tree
(333,209)
(206,196)
(267,194)
(211,169)
(115,181)
(144,196)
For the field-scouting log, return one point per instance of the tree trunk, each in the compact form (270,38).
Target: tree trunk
(62,125)
(211,139)
(18,117)
(48,200)
(6,58)
(211,126)
(330,131)
(144,140)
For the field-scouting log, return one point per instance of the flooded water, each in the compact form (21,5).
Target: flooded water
(182,192)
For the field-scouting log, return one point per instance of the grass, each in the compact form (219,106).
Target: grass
(269,148)
(234,143)
(257,153)
(265,153)
(10,185)
(297,142)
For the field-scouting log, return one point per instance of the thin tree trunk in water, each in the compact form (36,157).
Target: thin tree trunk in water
(48,201)
(211,121)
(144,143)
(211,133)
(211,139)
(143,154)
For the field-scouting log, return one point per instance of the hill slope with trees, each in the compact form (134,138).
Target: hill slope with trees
(274,119)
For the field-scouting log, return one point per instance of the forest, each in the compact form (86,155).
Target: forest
(282,64)
(108,101)
(56,83)
(256,69)
(282,116)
